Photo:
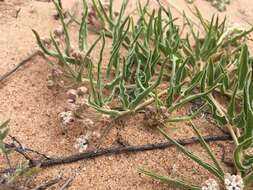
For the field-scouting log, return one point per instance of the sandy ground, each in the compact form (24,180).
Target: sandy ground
(33,108)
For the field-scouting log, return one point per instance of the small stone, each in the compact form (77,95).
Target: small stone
(50,84)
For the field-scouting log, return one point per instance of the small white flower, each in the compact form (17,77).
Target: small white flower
(66,117)
(72,95)
(71,106)
(82,90)
(210,184)
(233,182)
(81,143)
(56,72)
(105,119)
(88,122)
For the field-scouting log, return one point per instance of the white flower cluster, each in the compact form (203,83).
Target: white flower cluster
(210,184)
(81,144)
(76,99)
(66,117)
(76,104)
(233,182)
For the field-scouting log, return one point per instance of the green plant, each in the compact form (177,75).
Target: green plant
(236,117)
(152,59)
(156,53)
(3,134)
(22,169)
(220,5)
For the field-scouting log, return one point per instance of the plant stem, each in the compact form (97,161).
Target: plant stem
(232,133)
(149,101)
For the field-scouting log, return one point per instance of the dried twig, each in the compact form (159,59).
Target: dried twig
(125,149)
(73,11)
(28,58)
(23,151)
(67,183)
(117,150)
(48,184)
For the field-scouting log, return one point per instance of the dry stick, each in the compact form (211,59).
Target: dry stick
(49,162)
(67,183)
(28,58)
(21,149)
(121,150)
(47,184)
(37,52)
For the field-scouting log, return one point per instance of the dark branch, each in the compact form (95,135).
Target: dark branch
(121,150)
(48,162)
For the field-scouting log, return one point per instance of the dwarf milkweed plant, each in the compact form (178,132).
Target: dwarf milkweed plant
(236,82)
(153,59)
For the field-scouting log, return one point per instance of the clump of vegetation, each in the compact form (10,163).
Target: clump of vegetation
(3,134)
(220,5)
(152,59)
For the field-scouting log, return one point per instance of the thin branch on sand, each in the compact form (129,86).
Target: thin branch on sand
(47,162)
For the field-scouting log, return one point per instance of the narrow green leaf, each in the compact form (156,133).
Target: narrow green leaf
(99,71)
(191,98)
(243,67)
(195,158)
(83,44)
(238,154)
(65,29)
(176,182)
(207,148)
(62,58)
